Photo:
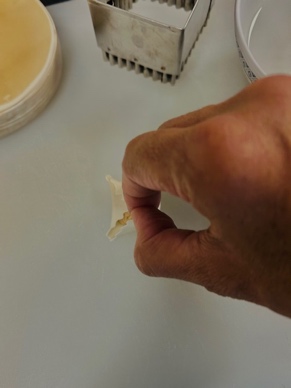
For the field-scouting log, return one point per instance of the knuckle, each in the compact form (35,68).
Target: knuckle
(132,150)
(216,141)
(167,124)
(131,146)
(277,83)
(276,89)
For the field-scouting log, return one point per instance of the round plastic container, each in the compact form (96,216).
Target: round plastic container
(263,34)
(28,82)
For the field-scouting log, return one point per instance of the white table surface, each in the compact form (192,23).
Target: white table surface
(74,310)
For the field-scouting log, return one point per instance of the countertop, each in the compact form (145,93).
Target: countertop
(75,311)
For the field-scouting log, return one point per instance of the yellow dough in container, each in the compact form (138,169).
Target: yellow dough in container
(30,62)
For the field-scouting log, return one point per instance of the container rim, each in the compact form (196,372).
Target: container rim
(241,41)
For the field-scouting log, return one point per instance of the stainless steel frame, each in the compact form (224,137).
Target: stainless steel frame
(136,42)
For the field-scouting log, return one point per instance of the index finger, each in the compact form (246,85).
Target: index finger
(154,162)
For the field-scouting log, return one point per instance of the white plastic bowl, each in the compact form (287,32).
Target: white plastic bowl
(263,34)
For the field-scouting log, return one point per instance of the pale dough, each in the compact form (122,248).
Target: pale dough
(25,39)
(30,62)
(120,215)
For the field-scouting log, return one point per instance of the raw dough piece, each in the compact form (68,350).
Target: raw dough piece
(30,62)
(120,215)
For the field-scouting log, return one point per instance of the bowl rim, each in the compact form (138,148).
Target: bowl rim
(241,41)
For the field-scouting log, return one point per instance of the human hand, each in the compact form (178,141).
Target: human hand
(231,162)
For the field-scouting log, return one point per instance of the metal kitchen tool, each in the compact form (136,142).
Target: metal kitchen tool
(150,47)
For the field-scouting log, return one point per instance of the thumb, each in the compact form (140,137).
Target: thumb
(162,250)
